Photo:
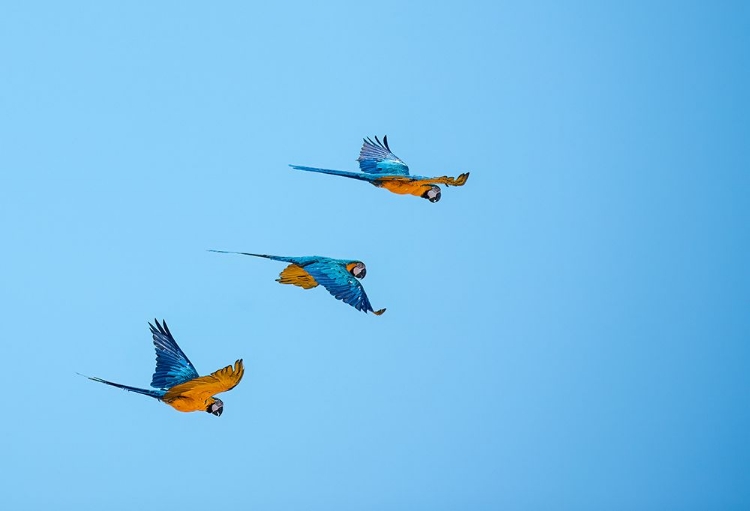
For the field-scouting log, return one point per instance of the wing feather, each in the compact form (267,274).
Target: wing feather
(223,380)
(172,365)
(443,180)
(377,158)
(296,275)
(332,275)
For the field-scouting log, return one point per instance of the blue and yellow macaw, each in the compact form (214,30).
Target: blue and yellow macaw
(333,274)
(384,169)
(177,383)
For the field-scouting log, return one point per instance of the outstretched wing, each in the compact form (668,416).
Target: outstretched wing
(341,284)
(172,365)
(203,387)
(377,158)
(443,180)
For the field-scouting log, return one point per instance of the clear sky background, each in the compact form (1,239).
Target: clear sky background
(567,331)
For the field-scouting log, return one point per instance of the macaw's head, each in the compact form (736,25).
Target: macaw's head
(432,194)
(357,269)
(216,407)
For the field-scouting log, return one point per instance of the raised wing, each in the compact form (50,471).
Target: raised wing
(172,365)
(341,284)
(377,158)
(219,381)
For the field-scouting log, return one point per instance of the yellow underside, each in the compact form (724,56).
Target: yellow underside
(187,398)
(297,276)
(404,187)
(197,394)
(183,403)
(408,186)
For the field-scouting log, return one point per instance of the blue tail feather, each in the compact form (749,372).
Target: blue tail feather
(156,394)
(272,257)
(354,175)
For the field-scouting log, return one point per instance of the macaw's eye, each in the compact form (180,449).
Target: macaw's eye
(433,194)
(216,408)
(359,271)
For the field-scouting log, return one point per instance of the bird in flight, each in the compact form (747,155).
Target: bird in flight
(338,276)
(384,169)
(177,383)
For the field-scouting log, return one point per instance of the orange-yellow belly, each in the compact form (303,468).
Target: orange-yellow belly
(186,401)
(403,186)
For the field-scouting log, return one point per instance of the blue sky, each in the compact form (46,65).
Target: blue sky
(567,331)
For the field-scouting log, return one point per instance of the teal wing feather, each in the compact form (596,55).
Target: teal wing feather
(172,365)
(332,275)
(377,158)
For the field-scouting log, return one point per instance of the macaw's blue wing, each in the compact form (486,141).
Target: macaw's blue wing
(377,158)
(340,283)
(172,365)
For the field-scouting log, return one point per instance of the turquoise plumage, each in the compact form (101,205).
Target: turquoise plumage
(338,276)
(177,383)
(381,168)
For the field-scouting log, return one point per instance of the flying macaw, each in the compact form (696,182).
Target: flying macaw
(333,274)
(176,381)
(384,169)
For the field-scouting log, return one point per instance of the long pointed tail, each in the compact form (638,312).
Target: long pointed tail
(354,175)
(156,394)
(266,256)
(240,253)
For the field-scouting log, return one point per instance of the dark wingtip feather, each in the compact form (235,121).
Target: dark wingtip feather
(385,141)
(166,328)
(381,144)
(160,328)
